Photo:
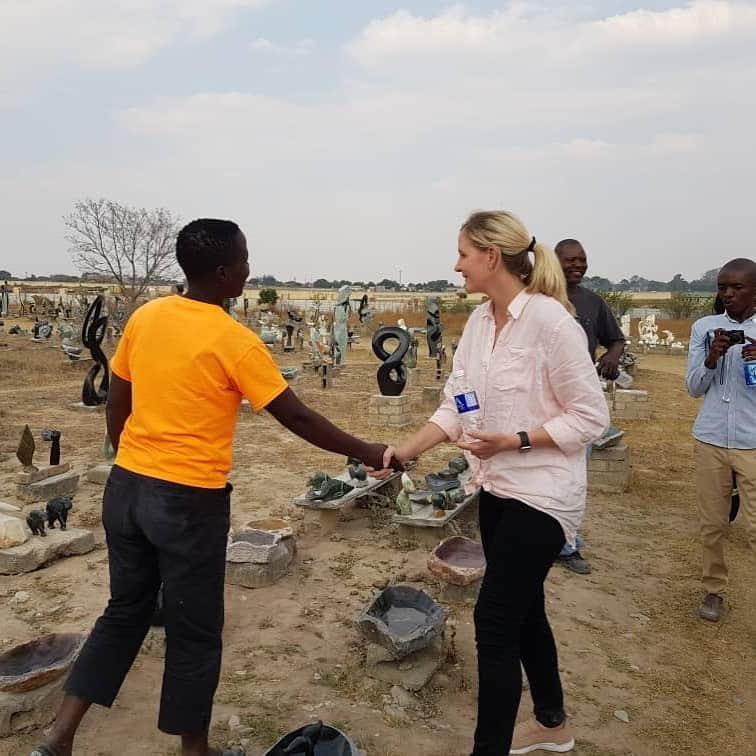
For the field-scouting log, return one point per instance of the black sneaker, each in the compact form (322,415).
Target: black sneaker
(576,563)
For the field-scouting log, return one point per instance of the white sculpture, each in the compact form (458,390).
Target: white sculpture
(625,325)
(648,331)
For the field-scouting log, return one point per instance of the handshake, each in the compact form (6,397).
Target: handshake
(381,461)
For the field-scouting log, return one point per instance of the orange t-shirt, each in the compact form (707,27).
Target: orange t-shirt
(189,364)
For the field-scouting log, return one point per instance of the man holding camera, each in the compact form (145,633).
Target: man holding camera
(722,369)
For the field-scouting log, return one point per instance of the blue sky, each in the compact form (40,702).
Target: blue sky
(350,139)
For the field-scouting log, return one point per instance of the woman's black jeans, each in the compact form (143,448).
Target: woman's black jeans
(520,544)
(160,532)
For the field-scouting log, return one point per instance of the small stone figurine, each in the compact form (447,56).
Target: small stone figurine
(403,503)
(57,511)
(36,522)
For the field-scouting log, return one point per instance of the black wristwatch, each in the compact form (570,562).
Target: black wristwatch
(525,445)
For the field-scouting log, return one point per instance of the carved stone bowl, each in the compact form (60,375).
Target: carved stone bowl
(458,560)
(402,619)
(318,738)
(38,662)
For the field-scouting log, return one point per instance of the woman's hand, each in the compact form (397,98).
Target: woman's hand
(485,445)
(391,453)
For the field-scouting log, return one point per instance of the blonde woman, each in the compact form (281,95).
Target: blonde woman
(525,355)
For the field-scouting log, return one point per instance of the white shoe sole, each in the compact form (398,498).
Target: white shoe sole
(553,747)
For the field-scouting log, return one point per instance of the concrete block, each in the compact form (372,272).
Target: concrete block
(598,465)
(44,490)
(48,471)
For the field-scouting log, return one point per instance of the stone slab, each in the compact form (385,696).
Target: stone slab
(44,490)
(38,551)
(373,484)
(12,509)
(411,673)
(99,474)
(47,471)
(13,531)
(423,515)
(31,709)
(461,594)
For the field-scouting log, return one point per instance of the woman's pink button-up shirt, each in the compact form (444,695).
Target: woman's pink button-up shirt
(537,374)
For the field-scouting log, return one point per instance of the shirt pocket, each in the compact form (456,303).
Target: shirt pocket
(515,376)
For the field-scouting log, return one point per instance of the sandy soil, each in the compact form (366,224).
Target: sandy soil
(628,636)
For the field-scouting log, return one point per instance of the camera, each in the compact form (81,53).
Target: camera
(736,337)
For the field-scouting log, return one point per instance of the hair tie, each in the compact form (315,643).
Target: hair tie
(532,244)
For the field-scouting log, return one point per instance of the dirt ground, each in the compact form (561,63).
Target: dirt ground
(628,636)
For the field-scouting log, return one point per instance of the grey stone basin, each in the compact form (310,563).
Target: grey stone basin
(402,619)
(317,739)
(458,560)
(38,662)
(256,546)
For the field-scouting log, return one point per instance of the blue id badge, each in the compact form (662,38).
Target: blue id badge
(749,371)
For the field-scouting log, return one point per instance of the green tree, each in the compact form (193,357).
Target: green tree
(267,297)
(619,302)
(683,306)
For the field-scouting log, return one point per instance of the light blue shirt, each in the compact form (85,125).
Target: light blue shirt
(727,417)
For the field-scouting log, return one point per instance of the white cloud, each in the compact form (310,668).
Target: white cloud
(303,47)
(39,36)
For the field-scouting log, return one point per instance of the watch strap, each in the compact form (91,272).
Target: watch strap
(525,444)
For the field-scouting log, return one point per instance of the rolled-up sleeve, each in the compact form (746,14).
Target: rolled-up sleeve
(446,416)
(576,386)
(699,377)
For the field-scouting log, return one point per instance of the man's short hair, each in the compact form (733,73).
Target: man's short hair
(744,265)
(565,244)
(204,244)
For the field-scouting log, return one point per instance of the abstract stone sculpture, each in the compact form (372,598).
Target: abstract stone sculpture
(92,333)
(57,511)
(433,325)
(54,437)
(403,501)
(392,374)
(322,487)
(340,317)
(25,451)
(364,312)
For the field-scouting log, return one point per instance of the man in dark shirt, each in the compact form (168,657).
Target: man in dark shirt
(601,328)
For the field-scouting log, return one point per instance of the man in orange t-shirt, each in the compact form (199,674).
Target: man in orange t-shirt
(179,374)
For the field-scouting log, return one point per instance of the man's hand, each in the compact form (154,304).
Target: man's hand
(608,366)
(749,350)
(719,347)
(486,445)
(381,458)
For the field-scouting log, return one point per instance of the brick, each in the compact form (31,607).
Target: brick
(598,465)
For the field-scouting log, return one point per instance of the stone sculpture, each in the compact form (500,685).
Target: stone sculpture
(54,437)
(357,473)
(41,330)
(625,325)
(92,333)
(403,501)
(25,451)
(392,374)
(648,331)
(364,312)
(290,327)
(57,511)
(36,522)
(322,487)
(4,301)
(434,329)
(340,317)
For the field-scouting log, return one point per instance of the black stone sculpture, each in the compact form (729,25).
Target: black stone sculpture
(36,522)
(42,330)
(392,374)
(316,739)
(364,312)
(92,333)
(54,437)
(57,511)
(433,327)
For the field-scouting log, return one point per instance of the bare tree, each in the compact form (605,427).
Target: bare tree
(132,245)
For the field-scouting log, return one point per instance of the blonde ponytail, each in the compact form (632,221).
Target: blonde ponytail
(547,276)
(506,232)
